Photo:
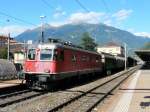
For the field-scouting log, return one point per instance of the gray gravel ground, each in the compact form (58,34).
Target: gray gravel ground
(82,104)
(50,100)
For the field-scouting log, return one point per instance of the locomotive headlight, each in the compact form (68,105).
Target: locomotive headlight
(27,70)
(47,71)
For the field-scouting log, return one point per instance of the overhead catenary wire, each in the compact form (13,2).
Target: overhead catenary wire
(86,10)
(48,4)
(18,19)
(51,6)
(82,6)
(105,5)
(110,32)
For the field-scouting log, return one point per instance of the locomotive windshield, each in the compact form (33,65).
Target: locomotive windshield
(31,54)
(46,54)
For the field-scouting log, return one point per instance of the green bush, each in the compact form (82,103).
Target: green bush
(3,53)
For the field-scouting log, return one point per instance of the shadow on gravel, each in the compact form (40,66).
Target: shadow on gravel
(74,82)
(77,81)
(13,89)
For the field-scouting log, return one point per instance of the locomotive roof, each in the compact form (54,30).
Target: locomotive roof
(59,45)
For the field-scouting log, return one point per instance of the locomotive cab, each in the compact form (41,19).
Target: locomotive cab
(40,65)
(39,60)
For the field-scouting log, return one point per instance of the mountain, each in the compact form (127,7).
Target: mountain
(73,32)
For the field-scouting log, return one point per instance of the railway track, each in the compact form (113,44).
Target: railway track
(12,89)
(18,96)
(86,101)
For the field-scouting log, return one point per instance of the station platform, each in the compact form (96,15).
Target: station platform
(132,96)
(9,83)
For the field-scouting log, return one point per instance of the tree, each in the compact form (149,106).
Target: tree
(87,42)
(3,53)
(146,46)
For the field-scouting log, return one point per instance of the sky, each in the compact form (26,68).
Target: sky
(17,16)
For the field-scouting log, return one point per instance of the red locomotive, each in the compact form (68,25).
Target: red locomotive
(50,62)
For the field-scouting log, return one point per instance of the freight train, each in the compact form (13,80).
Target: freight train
(48,63)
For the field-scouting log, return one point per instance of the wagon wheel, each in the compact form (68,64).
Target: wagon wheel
(108,72)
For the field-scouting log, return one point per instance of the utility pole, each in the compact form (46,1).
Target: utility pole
(42,32)
(125,56)
(24,49)
(8,44)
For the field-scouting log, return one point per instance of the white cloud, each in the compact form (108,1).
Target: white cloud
(115,19)
(87,17)
(80,17)
(58,13)
(74,18)
(145,34)
(12,29)
(122,14)
(58,23)
(132,30)
(108,22)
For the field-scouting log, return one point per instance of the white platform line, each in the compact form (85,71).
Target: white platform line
(124,102)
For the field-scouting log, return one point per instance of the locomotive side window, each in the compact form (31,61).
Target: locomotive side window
(61,57)
(46,54)
(31,54)
(55,54)
(58,55)
(83,58)
(74,58)
(97,59)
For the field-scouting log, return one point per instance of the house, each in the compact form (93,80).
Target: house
(112,48)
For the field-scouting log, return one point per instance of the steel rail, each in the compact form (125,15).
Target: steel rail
(83,94)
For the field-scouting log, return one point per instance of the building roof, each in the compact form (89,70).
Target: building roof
(14,45)
(143,54)
(112,44)
(2,37)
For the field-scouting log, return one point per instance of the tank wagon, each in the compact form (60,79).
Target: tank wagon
(7,70)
